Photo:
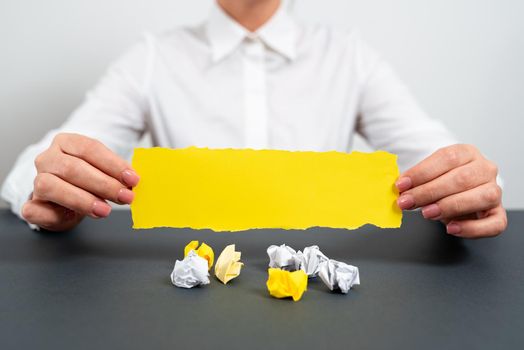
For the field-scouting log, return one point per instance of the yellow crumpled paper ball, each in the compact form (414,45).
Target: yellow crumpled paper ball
(283,284)
(228,265)
(203,251)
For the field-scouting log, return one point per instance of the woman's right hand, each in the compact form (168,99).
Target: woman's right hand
(76,176)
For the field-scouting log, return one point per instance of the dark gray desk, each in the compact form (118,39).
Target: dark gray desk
(107,286)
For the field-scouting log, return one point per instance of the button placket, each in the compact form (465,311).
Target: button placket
(255,96)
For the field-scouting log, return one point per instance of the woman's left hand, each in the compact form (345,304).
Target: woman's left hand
(457,186)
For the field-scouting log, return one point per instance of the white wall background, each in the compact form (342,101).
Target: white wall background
(463,59)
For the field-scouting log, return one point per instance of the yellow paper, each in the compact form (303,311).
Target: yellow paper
(234,190)
(228,265)
(283,284)
(204,251)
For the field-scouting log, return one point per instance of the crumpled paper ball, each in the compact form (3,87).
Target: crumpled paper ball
(203,251)
(339,275)
(190,272)
(283,284)
(228,265)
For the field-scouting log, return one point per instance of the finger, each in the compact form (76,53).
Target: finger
(49,187)
(83,175)
(49,215)
(458,180)
(98,155)
(435,165)
(493,224)
(484,197)
(471,216)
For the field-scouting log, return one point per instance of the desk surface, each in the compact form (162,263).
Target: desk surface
(106,285)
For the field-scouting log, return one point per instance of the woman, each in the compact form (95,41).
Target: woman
(251,76)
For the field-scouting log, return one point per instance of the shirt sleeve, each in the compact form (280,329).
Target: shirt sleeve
(114,112)
(389,117)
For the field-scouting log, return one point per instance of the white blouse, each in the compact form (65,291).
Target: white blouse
(290,86)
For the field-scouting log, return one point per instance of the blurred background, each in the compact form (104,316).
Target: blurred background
(463,59)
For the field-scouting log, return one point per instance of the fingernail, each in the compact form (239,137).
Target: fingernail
(101,209)
(453,229)
(431,211)
(130,177)
(403,184)
(125,196)
(406,201)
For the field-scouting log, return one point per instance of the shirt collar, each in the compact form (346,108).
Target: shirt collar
(225,34)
